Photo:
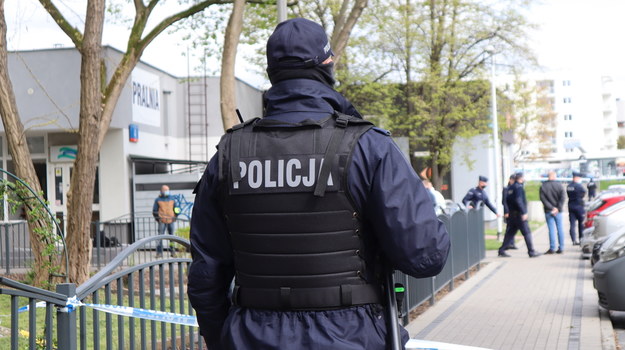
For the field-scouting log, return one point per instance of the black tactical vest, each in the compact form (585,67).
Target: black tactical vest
(295,233)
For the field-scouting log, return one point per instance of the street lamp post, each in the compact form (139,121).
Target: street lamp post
(493,105)
(281,10)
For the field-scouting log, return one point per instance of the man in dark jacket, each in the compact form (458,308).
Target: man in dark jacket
(506,211)
(576,192)
(301,206)
(552,196)
(517,219)
(592,189)
(504,195)
(476,196)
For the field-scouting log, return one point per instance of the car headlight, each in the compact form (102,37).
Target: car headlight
(615,249)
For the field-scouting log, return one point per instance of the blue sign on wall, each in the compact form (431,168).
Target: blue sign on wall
(133,130)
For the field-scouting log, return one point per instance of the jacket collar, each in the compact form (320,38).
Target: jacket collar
(295,100)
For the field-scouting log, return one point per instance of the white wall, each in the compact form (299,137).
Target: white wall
(472,158)
(114,176)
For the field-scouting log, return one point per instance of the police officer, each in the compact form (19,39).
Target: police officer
(504,195)
(301,207)
(517,218)
(592,188)
(576,192)
(476,196)
(506,211)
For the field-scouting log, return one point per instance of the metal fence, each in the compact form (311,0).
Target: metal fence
(15,249)
(466,230)
(109,239)
(157,288)
(113,236)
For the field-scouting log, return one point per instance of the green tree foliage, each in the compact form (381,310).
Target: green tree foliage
(439,51)
(620,142)
(529,113)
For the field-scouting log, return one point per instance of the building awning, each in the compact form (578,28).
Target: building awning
(142,159)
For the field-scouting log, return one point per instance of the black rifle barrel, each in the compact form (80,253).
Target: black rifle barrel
(393,330)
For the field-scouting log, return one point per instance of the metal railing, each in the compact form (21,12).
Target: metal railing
(112,236)
(109,239)
(466,230)
(50,322)
(15,249)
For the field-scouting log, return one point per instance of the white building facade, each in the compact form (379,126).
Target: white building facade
(586,110)
(162,126)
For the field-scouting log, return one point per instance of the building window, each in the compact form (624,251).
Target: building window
(567,100)
(545,85)
(568,134)
(568,117)
(36,144)
(566,83)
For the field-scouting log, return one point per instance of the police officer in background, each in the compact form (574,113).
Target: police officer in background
(592,188)
(576,192)
(301,207)
(517,218)
(504,195)
(506,211)
(477,195)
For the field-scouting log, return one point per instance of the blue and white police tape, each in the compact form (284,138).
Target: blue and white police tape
(151,315)
(418,344)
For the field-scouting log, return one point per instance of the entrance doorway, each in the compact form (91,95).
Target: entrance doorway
(60,176)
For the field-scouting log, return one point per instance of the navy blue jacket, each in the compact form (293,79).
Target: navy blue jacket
(384,188)
(504,199)
(516,198)
(592,187)
(475,196)
(576,193)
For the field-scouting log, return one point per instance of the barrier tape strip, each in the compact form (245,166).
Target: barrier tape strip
(187,320)
(151,315)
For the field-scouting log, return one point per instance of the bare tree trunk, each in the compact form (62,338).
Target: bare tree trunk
(18,148)
(227,81)
(80,196)
(437,178)
(343,25)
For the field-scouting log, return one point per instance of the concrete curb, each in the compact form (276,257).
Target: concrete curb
(608,341)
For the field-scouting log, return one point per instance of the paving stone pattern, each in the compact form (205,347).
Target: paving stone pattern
(521,303)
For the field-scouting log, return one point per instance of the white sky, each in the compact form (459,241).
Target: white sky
(578,35)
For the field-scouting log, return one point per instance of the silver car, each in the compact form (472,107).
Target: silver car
(605,223)
(608,272)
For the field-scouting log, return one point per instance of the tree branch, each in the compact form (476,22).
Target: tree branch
(159,28)
(72,32)
(139,5)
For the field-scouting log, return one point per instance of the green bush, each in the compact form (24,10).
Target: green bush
(604,184)
(532,189)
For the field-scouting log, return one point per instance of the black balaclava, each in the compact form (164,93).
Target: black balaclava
(322,72)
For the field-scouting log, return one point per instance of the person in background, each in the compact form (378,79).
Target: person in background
(506,211)
(552,196)
(591,186)
(165,213)
(476,196)
(437,198)
(517,218)
(576,192)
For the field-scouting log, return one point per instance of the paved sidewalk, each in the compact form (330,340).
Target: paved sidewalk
(520,303)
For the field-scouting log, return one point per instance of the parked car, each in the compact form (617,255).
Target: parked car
(608,272)
(587,241)
(604,201)
(596,251)
(605,223)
